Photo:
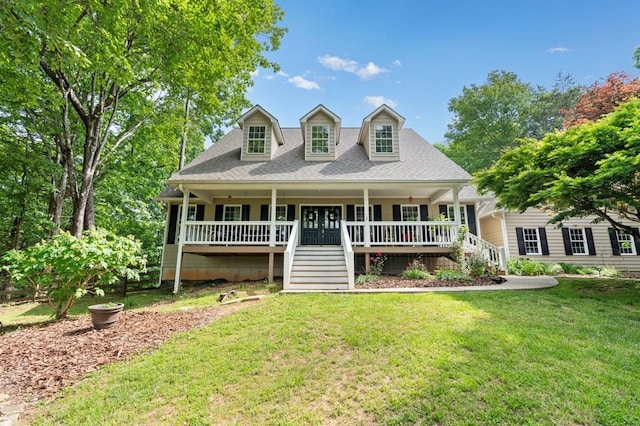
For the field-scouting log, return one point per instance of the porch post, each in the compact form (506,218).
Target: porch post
(272,232)
(183,220)
(367,228)
(456,208)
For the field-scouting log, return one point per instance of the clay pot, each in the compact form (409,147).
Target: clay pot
(105,315)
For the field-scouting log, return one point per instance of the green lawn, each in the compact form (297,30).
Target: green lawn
(567,355)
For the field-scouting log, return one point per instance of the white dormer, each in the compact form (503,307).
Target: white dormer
(261,135)
(380,134)
(320,133)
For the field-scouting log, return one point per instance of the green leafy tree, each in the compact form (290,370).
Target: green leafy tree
(66,266)
(95,72)
(591,169)
(492,117)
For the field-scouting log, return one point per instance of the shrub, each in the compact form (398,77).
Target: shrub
(609,271)
(416,274)
(477,264)
(450,274)
(532,267)
(377,263)
(365,278)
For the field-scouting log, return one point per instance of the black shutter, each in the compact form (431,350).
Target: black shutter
(567,242)
(613,237)
(397,214)
(291,212)
(543,241)
(520,238)
(442,208)
(590,243)
(264,212)
(173,222)
(377,212)
(471,219)
(218,213)
(636,241)
(245,212)
(424,212)
(200,212)
(351,212)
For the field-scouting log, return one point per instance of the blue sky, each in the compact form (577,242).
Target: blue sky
(416,55)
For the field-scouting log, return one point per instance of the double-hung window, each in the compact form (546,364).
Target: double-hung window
(359,213)
(257,139)
(463,215)
(626,244)
(410,213)
(232,213)
(281,213)
(320,139)
(578,241)
(531,238)
(384,138)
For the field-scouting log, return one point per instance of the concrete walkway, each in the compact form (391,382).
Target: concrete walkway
(513,282)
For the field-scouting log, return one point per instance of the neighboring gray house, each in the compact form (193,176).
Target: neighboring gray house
(312,203)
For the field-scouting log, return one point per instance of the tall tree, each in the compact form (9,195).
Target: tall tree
(600,99)
(114,65)
(592,169)
(492,117)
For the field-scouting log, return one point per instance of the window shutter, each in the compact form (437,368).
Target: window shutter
(264,212)
(245,212)
(567,242)
(543,241)
(200,212)
(377,212)
(173,222)
(636,241)
(424,212)
(442,208)
(397,215)
(291,212)
(471,219)
(351,212)
(590,243)
(218,212)
(520,238)
(614,242)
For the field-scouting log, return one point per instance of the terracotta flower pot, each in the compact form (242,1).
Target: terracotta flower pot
(105,315)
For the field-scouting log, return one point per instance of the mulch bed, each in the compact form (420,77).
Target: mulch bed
(400,282)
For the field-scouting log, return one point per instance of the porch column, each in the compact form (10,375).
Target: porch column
(183,220)
(367,228)
(456,208)
(272,232)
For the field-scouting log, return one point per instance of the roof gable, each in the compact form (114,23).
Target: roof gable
(257,109)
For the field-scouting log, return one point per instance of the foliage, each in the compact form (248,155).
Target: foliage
(603,271)
(366,278)
(532,267)
(377,262)
(477,264)
(492,117)
(81,78)
(601,99)
(416,270)
(457,250)
(451,274)
(66,266)
(589,170)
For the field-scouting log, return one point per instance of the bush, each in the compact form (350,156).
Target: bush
(477,265)
(365,278)
(450,274)
(532,267)
(416,270)
(377,262)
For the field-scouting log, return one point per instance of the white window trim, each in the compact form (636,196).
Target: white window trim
(375,139)
(413,206)
(286,212)
(320,139)
(250,139)
(361,207)
(228,206)
(190,218)
(538,242)
(463,213)
(628,239)
(584,242)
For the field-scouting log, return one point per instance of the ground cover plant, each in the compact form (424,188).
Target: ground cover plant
(566,355)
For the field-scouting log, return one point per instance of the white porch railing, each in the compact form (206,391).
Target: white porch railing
(348,253)
(236,233)
(430,233)
(491,253)
(289,254)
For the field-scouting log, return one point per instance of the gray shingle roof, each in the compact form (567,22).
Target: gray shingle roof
(419,161)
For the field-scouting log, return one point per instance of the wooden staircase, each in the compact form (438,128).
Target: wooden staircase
(319,268)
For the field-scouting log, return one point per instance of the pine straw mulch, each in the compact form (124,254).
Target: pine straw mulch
(36,362)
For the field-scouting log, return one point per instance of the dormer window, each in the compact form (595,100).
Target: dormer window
(320,139)
(384,139)
(257,139)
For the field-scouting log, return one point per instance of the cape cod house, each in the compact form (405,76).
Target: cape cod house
(312,203)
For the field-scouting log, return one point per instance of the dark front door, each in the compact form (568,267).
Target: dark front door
(321,225)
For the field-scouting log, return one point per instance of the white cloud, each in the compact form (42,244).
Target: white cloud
(301,83)
(282,73)
(269,77)
(558,49)
(371,70)
(376,101)
(338,64)
(397,63)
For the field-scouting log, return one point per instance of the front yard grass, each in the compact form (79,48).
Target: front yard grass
(566,355)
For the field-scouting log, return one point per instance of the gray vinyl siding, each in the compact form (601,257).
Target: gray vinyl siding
(320,119)
(604,254)
(386,120)
(269,143)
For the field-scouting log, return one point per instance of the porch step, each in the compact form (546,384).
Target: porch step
(319,268)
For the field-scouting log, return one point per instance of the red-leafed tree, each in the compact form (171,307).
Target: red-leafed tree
(601,99)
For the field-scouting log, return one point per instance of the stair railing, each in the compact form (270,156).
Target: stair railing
(348,253)
(289,254)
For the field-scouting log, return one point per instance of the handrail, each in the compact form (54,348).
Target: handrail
(348,254)
(491,253)
(289,254)
(236,232)
(398,233)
